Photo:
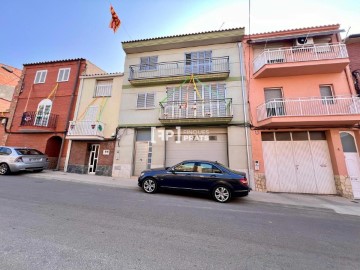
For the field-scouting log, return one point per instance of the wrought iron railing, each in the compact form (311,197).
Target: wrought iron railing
(180,68)
(213,108)
(300,54)
(311,106)
(39,119)
(86,128)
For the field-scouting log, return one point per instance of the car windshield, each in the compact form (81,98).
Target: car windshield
(27,152)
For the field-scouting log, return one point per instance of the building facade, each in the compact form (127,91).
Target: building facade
(182,98)
(93,129)
(9,77)
(43,104)
(304,112)
(353,47)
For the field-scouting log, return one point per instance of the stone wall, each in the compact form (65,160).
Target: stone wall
(260,182)
(343,186)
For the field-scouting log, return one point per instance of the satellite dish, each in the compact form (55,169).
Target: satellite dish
(302,40)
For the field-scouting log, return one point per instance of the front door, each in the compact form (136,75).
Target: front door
(93,159)
(352,161)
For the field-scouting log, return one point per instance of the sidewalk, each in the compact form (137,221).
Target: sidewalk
(338,204)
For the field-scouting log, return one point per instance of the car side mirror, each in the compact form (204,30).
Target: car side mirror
(172,170)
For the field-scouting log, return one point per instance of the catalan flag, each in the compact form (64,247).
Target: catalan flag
(115,21)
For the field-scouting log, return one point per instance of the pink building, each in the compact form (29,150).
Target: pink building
(304,112)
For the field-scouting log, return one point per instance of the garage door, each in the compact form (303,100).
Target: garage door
(298,162)
(214,148)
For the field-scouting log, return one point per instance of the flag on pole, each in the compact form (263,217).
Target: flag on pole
(115,21)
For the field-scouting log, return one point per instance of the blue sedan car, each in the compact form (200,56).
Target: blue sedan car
(213,178)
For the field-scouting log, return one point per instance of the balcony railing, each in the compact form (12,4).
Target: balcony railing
(39,119)
(300,54)
(312,106)
(86,128)
(214,108)
(180,68)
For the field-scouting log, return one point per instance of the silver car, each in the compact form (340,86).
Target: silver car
(15,159)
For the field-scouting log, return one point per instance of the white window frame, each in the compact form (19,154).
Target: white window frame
(327,99)
(63,79)
(42,118)
(146,96)
(40,72)
(103,93)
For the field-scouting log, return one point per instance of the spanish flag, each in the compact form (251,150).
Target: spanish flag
(115,21)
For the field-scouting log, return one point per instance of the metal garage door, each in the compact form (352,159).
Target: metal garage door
(298,162)
(214,149)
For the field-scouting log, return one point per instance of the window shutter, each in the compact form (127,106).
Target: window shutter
(141,101)
(150,100)
(325,91)
(271,94)
(153,62)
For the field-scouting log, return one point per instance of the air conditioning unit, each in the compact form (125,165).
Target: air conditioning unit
(301,41)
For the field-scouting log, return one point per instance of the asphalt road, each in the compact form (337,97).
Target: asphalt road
(48,224)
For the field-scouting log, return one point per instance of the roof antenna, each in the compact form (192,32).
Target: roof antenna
(221,25)
(347,33)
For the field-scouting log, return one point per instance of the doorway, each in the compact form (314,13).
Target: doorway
(352,161)
(93,159)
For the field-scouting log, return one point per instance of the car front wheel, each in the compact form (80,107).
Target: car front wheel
(149,185)
(222,194)
(4,169)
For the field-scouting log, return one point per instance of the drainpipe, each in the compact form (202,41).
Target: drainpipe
(69,113)
(244,97)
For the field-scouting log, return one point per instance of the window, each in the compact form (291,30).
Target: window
(148,63)
(274,102)
(326,94)
(40,76)
(28,152)
(63,75)
(198,62)
(185,167)
(145,101)
(4,151)
(207,168)
(103,88)
(43,113)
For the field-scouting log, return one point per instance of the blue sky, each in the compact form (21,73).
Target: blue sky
(41,30)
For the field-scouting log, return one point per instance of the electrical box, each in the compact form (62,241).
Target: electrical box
(256,165)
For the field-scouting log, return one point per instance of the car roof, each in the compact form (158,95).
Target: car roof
(199,160)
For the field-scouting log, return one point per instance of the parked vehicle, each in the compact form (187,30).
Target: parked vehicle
(15,159)
(197,175)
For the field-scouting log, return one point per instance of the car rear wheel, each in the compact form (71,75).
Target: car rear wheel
(4,169)
(149,185)
(222,194)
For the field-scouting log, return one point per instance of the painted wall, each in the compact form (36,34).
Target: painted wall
(111,105)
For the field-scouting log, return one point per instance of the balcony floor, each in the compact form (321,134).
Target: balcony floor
(310,121)
(196,121)
(302,68)
(84,138)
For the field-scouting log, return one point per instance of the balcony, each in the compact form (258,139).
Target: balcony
(38,121)
(304,60)
(85,130)
(196,112)
(311,111)
(216,68)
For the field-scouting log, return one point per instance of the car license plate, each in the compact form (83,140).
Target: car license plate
(35,159)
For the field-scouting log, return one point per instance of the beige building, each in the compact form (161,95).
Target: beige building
(92,132)
(182,98)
